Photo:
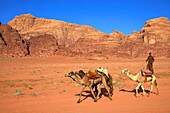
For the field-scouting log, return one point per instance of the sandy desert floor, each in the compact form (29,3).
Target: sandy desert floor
(38,85)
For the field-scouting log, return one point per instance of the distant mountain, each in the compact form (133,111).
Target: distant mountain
(66,33)
(46,37)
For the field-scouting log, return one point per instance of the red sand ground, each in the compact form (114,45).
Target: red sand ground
(46,89)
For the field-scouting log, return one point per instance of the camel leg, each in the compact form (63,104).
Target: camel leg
(153,83)
(90,87)
(99,90)
(107,88)
(150,89)
(137,94)
(143,90)
(81,94)
(111,89)
(110,84)
(156,85)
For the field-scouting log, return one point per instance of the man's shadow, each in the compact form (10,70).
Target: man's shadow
(87,94)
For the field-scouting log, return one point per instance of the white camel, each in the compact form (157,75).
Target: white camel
(142,79)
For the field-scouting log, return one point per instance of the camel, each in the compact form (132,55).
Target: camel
(107,79)
(85,81)
(142,79)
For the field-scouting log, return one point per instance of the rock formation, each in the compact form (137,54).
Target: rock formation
(66,33)
(43,45)
(84,41)
(11,43)
(156,30)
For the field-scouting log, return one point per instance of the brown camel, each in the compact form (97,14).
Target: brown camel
(142,79)
(107,78)
(85,81)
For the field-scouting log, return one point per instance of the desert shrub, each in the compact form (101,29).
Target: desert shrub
(33,94)
(30,88)
(61,81)
(77,85)
(119,84)
(53,88)
(18,92)
(62,91)
(42,77)
(166,84)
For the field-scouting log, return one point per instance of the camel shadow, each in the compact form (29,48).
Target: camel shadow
(134,91)
(104,93)
(89,95)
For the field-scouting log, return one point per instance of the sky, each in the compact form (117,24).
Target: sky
(104,15)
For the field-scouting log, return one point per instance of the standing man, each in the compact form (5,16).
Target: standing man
(150,61)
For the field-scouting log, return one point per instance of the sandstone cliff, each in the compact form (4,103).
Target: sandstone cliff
(42,46)
(11,43)
(84,41)
(66,33)
(156,30)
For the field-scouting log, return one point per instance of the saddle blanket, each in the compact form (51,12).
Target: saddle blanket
(147,74)
(93,75)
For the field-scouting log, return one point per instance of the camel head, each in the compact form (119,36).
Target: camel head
(125,71)
(72,75)
(69,74)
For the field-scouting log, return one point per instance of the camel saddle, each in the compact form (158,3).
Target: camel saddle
(146,73)
(93,75)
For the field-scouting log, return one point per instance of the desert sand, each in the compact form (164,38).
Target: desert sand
(38,85)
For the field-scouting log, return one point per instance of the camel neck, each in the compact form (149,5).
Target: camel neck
(131,76)
(80,80)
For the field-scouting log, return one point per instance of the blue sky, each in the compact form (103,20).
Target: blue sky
(104,15)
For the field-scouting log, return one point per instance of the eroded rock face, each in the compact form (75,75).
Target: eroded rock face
(84,41)
(42,46)
(11,43)
(156,30)
(66,33)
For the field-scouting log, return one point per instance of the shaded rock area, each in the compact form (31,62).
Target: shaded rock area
(11,43)
(66,33)
(42,46)
(46,37)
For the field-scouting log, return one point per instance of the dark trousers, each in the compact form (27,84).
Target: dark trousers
(150,67)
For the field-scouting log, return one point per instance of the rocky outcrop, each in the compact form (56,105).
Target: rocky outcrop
(66,33)
(11,43)
(46,37)
(118,35)
(153,37)
(42,46)
(156,30)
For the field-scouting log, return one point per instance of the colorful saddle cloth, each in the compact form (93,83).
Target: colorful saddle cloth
(147,73)
(93,75)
